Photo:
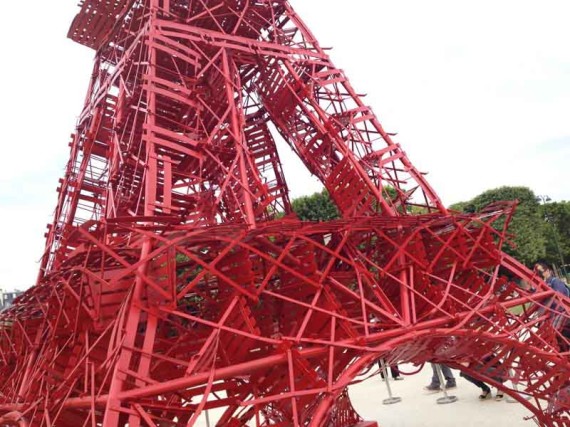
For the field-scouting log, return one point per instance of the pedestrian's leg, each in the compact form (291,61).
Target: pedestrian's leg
(434,386)
(395,372)
(448,375)
(475,381)
(434,377)
(484,387)
(499,395)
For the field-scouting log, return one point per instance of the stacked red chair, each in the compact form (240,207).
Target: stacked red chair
(177,281)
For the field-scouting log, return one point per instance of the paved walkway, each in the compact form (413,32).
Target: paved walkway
(418,408)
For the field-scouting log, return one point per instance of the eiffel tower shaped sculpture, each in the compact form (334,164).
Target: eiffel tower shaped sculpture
(170,286)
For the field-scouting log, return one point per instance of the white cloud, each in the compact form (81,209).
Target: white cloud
(472,89)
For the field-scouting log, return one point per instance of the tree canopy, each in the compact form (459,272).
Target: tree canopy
(541,231)
(527,223)
(557,232)
(317,207)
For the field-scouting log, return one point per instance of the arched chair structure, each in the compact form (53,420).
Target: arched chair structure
(176,278)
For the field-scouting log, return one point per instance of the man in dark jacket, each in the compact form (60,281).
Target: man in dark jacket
(551,280)
(560,321)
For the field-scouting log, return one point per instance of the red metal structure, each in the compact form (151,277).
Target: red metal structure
(170,287)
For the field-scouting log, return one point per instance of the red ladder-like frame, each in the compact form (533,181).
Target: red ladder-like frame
(170,286)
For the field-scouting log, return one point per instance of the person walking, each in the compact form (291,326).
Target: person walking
(393,370)
(546,273)
(492,368)
(485,389)
(559,316)
(435,385)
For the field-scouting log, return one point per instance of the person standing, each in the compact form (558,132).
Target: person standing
(393,370)
(556,284)
(485,389)
(558,316)
(435,385)
(493,369)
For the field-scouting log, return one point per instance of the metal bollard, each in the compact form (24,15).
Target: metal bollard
(509,398)
(390,400)
(445,399)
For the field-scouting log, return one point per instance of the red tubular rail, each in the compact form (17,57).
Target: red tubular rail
(176,278)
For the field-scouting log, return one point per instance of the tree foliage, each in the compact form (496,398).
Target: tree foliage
(527,224)
(557,232)
(317,207)
(541,232)
(320,207)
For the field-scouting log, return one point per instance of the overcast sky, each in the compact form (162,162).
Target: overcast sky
(478,92)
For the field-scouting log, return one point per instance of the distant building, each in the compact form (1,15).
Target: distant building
(7,298)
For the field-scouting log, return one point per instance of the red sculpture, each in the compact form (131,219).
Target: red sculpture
(170,286)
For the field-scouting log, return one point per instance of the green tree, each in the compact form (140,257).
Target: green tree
(317,207)
(527,223)
(320,207)
(465,207)
(557,232)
